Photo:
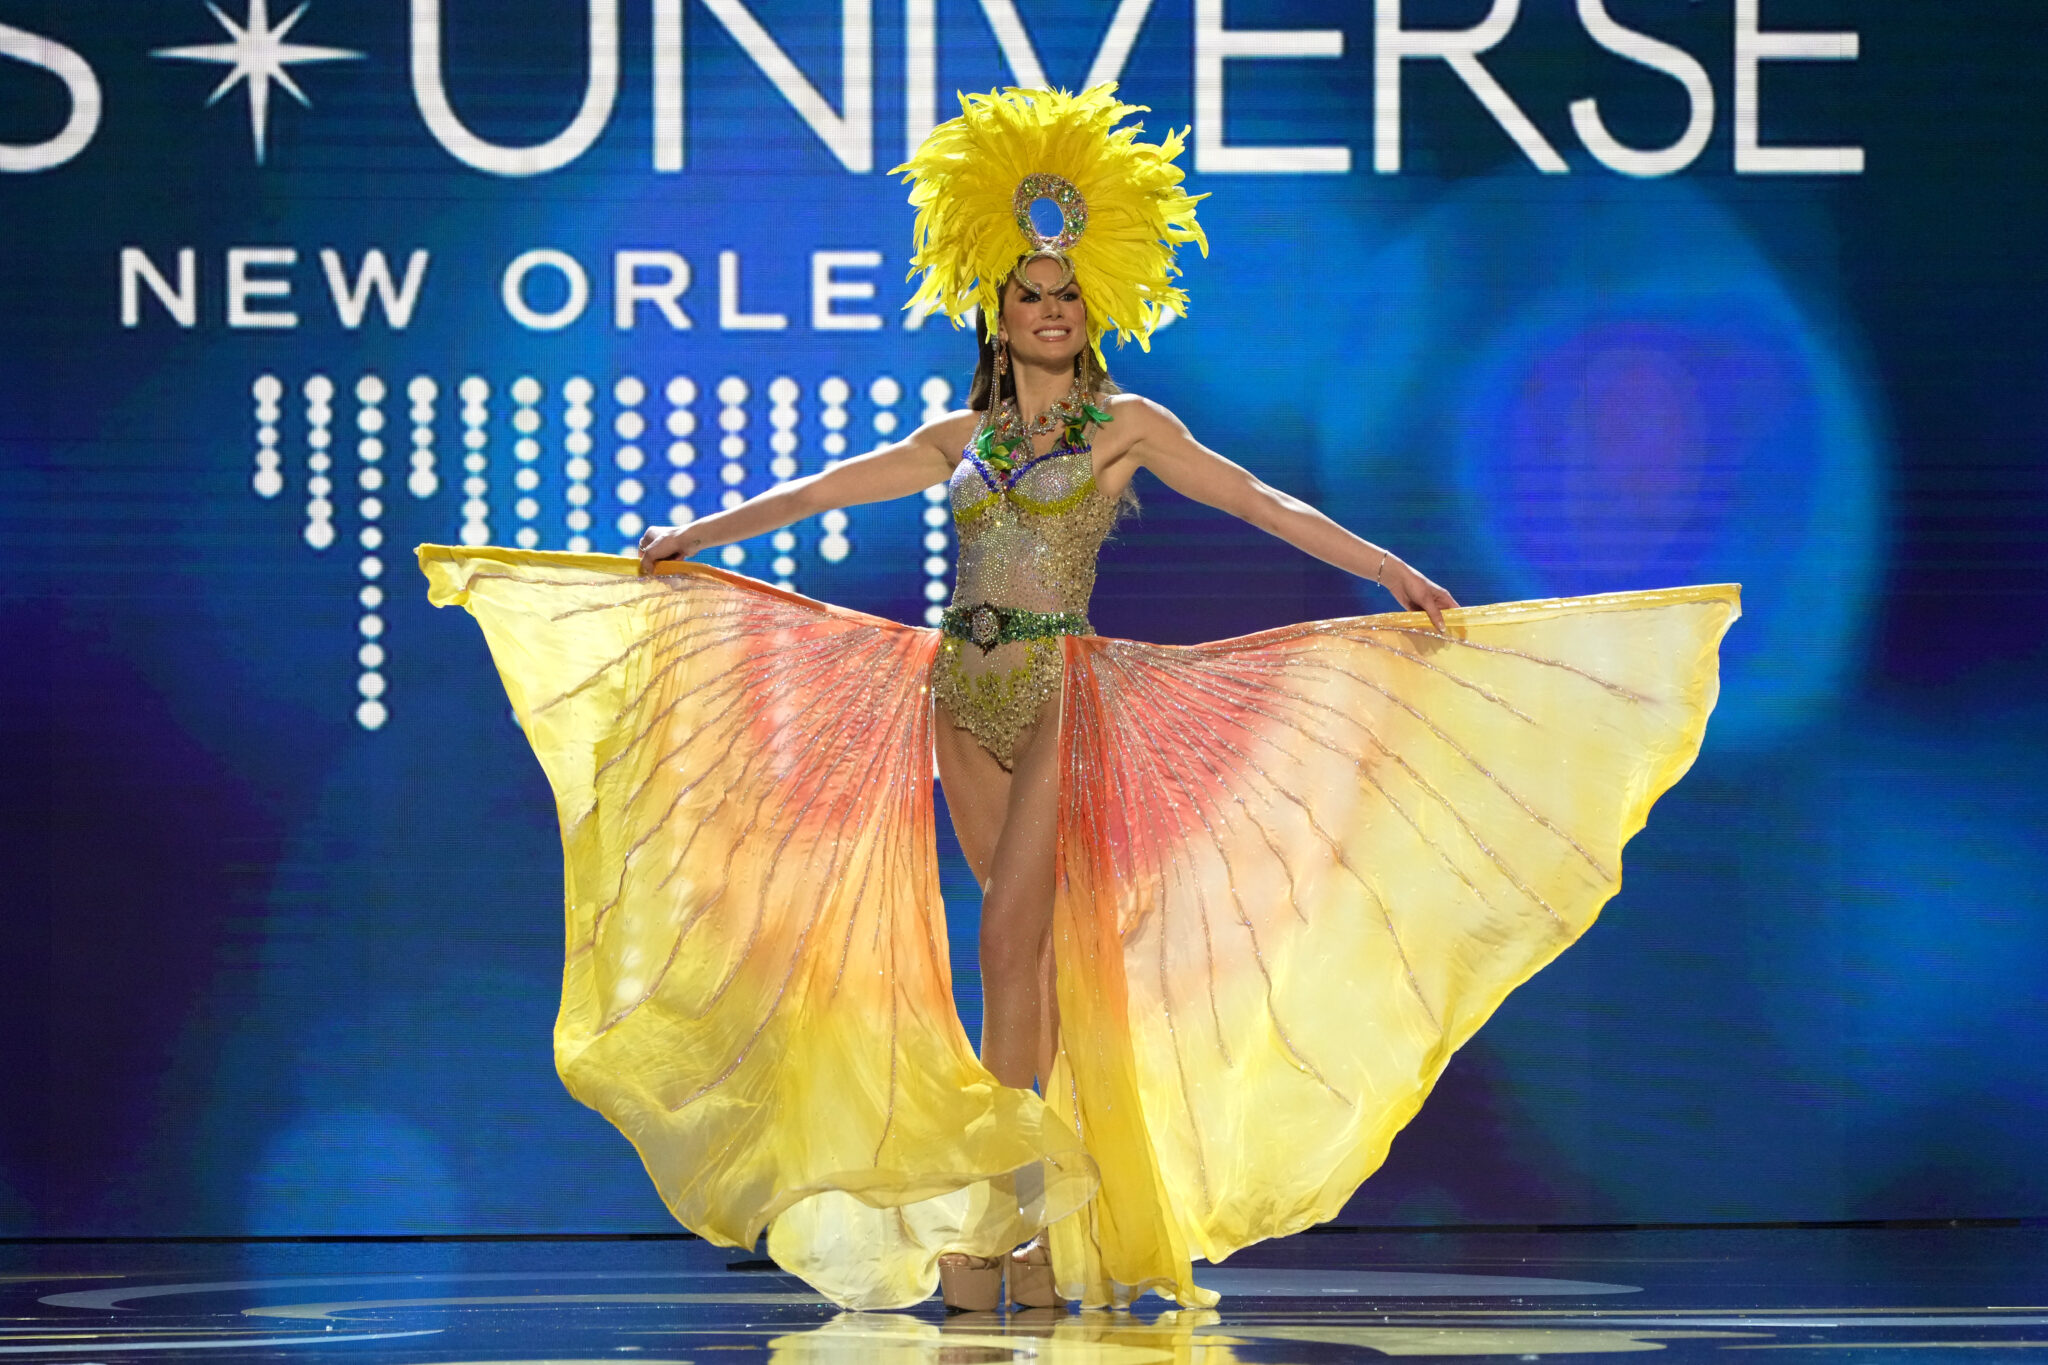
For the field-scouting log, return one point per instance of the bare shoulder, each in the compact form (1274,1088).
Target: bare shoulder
(1134,416)
(1136,407)
(949,434)
(1140,423)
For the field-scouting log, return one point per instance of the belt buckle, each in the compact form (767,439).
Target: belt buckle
(984,626)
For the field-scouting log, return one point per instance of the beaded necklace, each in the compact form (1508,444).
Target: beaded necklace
(1004,429)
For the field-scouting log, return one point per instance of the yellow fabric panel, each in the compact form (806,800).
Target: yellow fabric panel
(756,987)
(1296,872)
(1305,866)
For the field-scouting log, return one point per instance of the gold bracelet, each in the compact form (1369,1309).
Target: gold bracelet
(1381,569)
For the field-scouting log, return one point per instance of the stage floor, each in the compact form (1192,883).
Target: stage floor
(1976,1294)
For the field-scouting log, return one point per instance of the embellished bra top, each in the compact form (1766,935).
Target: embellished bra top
(1029,536)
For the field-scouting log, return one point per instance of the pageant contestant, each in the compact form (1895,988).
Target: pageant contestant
(1242,901)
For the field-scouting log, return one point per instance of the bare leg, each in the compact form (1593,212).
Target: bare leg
(1007,826)
(1010,847)
(1049,1009)
(977,792)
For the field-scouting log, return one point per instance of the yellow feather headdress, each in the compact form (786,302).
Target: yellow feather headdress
(974,181)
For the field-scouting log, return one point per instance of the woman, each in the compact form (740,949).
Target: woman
(1241,901)
(997,759)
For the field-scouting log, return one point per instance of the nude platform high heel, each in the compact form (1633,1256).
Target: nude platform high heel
(1031,1282)
(970,1284)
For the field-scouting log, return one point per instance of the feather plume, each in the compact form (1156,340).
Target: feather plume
(966,240)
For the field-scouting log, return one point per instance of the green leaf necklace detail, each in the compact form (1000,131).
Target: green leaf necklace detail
(1004,441)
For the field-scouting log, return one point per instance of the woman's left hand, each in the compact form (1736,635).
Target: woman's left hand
(1415,592)
(658,543)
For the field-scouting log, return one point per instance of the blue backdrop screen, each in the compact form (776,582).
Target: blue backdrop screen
(1551,300)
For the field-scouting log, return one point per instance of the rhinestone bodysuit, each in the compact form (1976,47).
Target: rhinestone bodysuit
(1028,542)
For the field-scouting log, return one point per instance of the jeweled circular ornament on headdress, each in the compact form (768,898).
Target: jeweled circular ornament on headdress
(1123,213)
(1062,194)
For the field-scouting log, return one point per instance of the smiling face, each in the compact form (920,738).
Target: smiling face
(1044,325)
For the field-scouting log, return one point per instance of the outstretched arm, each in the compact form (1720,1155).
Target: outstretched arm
(1185,465)
(915,463)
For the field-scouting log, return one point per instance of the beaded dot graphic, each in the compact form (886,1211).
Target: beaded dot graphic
(476,463)
(634,430)
(629,426)
(833,393)
(833,546)
(423,482)
(578,418)
(938,396)
(526,424)
(681,392)
(268,480)
(732,420)
(370,393)
(319,394)
(884,393)
(783,393)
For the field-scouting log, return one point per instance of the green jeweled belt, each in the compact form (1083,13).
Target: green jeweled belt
(989,626)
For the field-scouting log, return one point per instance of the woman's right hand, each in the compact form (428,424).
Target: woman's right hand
(665,542)
(1415,592)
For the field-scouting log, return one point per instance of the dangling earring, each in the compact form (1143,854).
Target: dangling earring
(1002,350)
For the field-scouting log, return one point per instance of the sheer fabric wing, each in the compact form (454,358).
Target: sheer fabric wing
(756,987)
(1300,869)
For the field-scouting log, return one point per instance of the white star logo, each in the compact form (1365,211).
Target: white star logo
(258,54)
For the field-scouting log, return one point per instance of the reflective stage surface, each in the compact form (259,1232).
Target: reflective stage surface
(1974,1294)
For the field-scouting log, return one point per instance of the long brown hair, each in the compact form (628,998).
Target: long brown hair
(1094,377)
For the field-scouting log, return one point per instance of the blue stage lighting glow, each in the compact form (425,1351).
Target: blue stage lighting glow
(1616,391)
(354,1169)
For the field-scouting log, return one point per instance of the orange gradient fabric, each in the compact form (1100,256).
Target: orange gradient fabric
(1297,871)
